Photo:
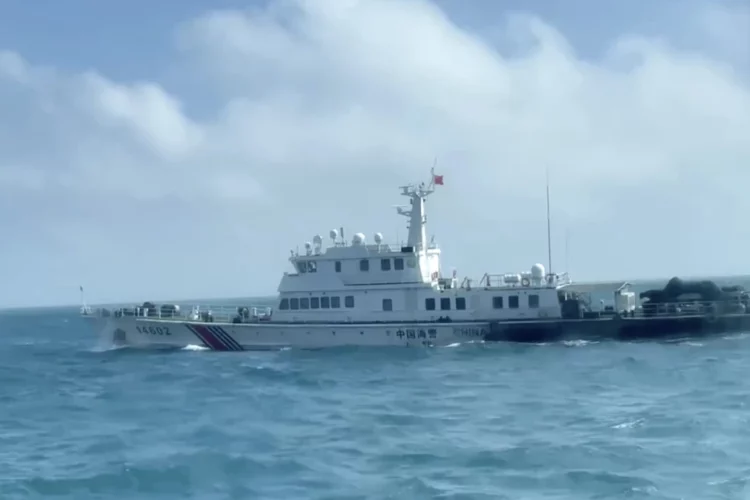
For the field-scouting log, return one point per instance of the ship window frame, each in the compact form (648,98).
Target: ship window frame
(284,304)
(364,265)
(385,264)
(445,303)
(460,303)
(349,301)
(429,304)
(314,302)
(325,302)
(514,302)
(294,304)
(498,302)
(337,266)
(534,304)
(387,304)
(302,266)
(398,264)
(335,302)
(304,303)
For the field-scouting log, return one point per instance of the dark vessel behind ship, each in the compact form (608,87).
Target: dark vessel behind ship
(681,309)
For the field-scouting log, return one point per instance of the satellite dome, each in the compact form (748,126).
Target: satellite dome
(537,271)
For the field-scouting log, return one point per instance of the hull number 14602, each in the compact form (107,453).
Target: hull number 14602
(153,330)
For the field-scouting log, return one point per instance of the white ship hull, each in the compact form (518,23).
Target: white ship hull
(358,294)
(143,332)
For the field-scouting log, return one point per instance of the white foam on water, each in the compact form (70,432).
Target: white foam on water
(578,343)
(191,347)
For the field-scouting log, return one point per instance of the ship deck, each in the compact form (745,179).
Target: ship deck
(230,315)
(600,287)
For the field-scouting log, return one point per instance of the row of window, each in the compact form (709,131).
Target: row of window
(316,303)
(310,266)
(514,302)
(385,265)
(445,303)
(497,303)
(430,304)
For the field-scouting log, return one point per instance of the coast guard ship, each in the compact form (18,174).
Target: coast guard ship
(361,293)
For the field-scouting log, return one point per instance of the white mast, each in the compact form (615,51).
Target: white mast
(84,308)
(417,225)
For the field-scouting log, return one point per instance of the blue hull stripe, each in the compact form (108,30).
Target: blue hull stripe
(208,338)
(226,338)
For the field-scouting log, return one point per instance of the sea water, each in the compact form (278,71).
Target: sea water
(575,420)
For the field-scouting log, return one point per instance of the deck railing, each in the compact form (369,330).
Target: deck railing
(501,281)
(675,309)
(258,314)
(371,246)
(692,308)
(170,312)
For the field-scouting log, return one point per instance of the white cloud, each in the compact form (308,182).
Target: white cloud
(146,111)
(328,105)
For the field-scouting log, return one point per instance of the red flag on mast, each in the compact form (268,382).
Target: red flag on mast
(437,179)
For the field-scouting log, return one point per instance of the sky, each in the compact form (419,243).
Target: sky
(179,150)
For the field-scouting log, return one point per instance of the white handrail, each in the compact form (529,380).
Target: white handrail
(731,305)
(493,280)
(208,313)
(371,246)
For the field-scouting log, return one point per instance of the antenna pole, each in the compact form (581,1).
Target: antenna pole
(549,229)
(84,307)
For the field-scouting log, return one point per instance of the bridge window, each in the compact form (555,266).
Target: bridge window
(349,301)
(302,267)
(460,303)
(314,303)
(497,302)
(364,265)
(533,301)
(513,302)
(385,264)
(312,266)
(398,264)
(294,304)
(338,266)
(325,302)
(445,303)
(304,303)
(284,304)
(429,304)
(335,302)
(387,305)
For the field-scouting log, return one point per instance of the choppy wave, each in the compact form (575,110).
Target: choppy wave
(576,420)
